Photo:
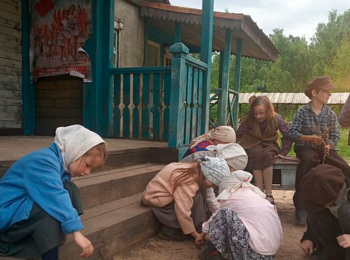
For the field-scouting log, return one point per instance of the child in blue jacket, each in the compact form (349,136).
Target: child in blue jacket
(38,203)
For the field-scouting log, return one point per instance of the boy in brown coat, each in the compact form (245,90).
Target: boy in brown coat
(325,196)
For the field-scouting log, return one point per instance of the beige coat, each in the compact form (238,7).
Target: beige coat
(160,192)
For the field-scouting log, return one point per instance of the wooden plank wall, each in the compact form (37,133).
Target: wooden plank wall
(10,64)
(58,102)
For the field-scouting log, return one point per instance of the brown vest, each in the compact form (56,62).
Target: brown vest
(254,136)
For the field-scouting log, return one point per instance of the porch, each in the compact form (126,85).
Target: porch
(161,103)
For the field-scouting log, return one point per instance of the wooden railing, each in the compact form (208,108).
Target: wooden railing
(187,84)
(141,102)
(232,108)
(161,103)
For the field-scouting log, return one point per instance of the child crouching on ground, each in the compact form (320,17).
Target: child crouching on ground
(176,196)
(325,196)
(235,157)
(38,203)
(246,226)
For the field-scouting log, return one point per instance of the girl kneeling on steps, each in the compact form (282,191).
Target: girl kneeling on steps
(38,203)
(258,135)
(176,196)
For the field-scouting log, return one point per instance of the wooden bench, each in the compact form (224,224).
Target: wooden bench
(287,167)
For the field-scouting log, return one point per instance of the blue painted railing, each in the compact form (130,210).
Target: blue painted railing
(187,84)
(161,103)
(141,102)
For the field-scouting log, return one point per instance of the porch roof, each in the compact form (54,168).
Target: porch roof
(255,44)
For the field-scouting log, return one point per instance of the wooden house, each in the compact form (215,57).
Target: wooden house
(145,84)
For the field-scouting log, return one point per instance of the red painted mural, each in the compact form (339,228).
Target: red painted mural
(59,31)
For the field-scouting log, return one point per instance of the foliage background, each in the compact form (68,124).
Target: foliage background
(300,60)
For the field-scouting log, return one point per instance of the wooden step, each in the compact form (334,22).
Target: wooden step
(123,158)
(111,228)
(106,186)
(134,156)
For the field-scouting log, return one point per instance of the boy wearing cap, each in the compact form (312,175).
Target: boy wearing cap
(315,132)
(325,196)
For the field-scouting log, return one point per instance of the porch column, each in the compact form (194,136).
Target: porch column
(98,95)
(177,37)
(206,51)
(28,89)
(224,80)
(177,95)
(237,82)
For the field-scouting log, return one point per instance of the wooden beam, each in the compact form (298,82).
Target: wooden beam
(28,89)
(177,32)
(224,75)
(98,95)
(237,81)
(206,52)
(178,93)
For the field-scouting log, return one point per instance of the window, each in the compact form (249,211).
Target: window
(115,61)
(152,54)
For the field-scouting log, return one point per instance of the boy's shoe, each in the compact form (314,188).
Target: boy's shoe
(203,255)
(300,216)
(270,199)
(169,233)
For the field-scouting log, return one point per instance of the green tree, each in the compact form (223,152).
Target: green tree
(339,71)
(327,40)
(294,66)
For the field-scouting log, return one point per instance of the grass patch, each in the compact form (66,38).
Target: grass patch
(344,149)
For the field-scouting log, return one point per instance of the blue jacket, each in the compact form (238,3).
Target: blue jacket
(37,177)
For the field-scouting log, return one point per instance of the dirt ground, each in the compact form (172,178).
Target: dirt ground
(157,249)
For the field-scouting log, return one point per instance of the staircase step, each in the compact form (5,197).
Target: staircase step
(113,227)
(113,219)
(106,186)
(134,156)
(122,158)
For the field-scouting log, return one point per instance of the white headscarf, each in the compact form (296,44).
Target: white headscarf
(222,133)
(238,179)
(233,153)
(74,141)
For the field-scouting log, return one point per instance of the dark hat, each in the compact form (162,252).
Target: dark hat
(323,82)
(321,185)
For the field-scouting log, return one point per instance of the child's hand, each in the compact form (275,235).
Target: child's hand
(199,238)
(316,139)
(344,240)
(327,149)
(307,246)
(84,243)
